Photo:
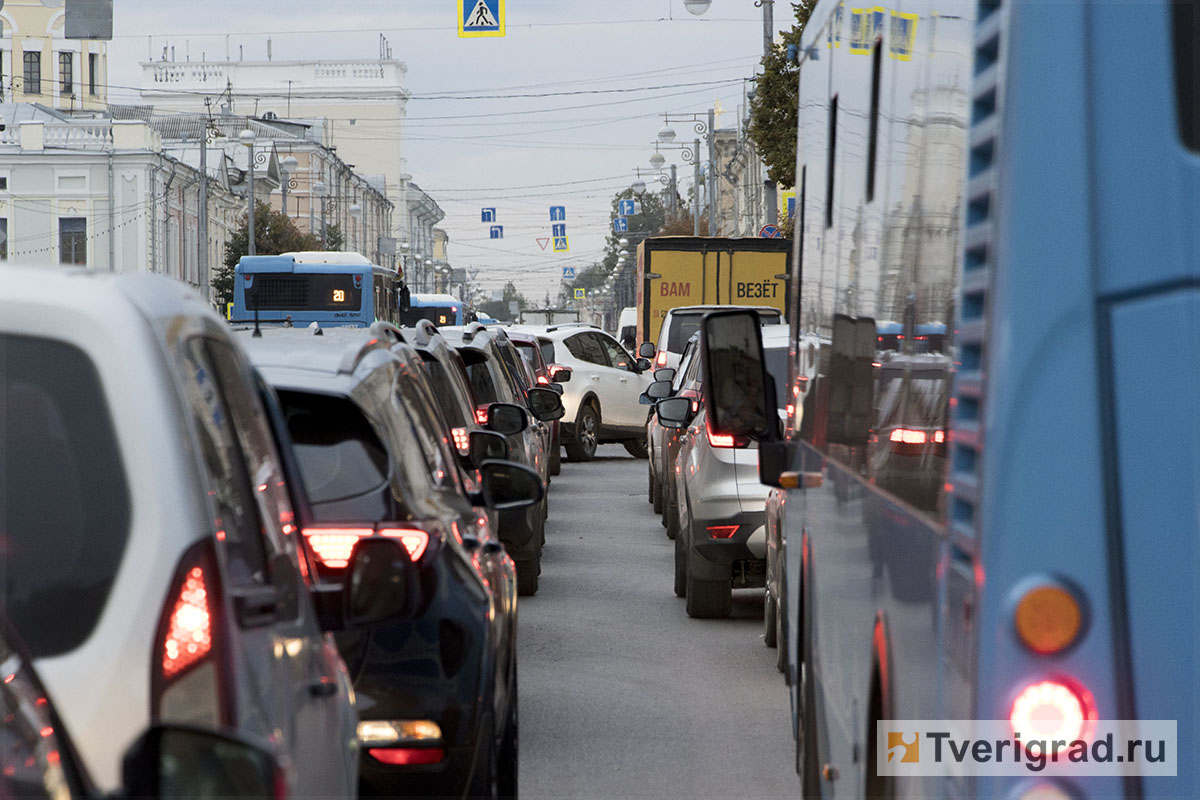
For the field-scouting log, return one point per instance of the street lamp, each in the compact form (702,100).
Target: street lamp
(355,214)
(247,138)
(691,155)
(697,7)
(657,160)
(638,186)
(286,167)
(320,190)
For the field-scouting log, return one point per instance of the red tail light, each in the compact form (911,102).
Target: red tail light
(661,358)
(189,629)
(481,415)
(722,531)
(908,436)
(695,398)
(462,440)
(1050,710)
(406,756)
(415,541)
(939,436)
(724,439)
(543,380)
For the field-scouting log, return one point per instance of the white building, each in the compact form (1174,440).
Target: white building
(38,64)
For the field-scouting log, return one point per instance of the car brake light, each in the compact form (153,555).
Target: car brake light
(333,546)
(462,440)
(722,531)
(1049,710)
(661,358)
(543,380)
(720,439)
(189,629)
(407,756)
(415,541)
(481,415)
(908,436)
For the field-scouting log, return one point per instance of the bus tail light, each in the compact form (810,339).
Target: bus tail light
(1050,710)
(1048,619)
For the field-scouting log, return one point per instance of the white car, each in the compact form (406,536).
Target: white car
(602,398)
(680,323)
(151,563)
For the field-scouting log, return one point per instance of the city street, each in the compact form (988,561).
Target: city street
(621,694)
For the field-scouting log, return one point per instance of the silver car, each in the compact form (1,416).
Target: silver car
(151,560)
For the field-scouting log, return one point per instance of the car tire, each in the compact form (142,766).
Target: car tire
(636,448)
(527,577)
(485,781)
(770,620)
(556,460)
(587,435)
(650,483)
(510,748)
(708,599)
(671,515)
(656,496)
(680,567)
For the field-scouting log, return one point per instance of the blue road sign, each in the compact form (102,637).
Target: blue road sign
(628,208)
(487,215)
(620,225)
(769,231)
(558,213)
(480,18)
(496,232)
(568,273)
(560,244)
(581,294)
(558,229)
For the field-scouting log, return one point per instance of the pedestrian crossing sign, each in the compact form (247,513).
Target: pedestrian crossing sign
(480,18)
(560,244)
(580,294)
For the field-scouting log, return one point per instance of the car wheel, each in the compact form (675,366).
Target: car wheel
(485,783)
(781,639)
(587,433)
(770,621)
(636,448)
(672,517)
(657,498)
(527,577)
(556,461)
(680,567)
(650,483)
(510,748)
(708,599)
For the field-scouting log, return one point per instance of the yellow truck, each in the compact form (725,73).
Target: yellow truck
(676,271)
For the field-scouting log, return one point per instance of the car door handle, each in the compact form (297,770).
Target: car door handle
(596,378)
(325,687)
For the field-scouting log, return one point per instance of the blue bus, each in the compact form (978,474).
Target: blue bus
(328,288)
(1003,526)
(440,309)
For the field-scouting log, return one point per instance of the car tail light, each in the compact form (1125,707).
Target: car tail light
(724,439)
(187,670)
(408,756)
(415,541)
(722,531)
(908,436)
(1048,619)
(332,546)
(543,380)
(462,440)
(481,415)
(555,369)
(1049,710)
(661,358)
(939,436)
(695,398)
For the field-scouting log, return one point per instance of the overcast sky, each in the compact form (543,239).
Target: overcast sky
(493,152)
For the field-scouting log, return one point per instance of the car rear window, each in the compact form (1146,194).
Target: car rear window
(682,327)
(65,507)
(547,350)
(342,461)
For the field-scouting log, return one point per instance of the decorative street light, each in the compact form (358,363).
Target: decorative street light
(691,155)
(286,167)
(320,190)
(638,186)
(697,7)
(247,138)
(657,160)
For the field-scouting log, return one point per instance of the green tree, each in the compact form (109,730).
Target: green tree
(274,233)
(773,109)
(500,309)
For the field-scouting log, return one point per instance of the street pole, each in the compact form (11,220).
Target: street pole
(711,185)
(250,224)
(696,189)
(674,192)
(202,216)
(770,200)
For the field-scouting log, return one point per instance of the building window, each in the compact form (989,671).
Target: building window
(33,73)
(66,68)
(93,71)
(3,239)
(72,240)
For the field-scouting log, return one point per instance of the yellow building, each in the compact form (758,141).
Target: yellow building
(38,64)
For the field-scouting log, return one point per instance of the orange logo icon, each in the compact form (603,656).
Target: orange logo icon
(911,750)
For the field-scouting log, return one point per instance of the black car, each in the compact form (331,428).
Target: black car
(432,720)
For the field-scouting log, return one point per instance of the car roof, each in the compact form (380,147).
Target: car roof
(706,309)
(302,358)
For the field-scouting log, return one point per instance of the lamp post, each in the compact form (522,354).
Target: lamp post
(355,215)
(320,190)
(426,271)
(286,167)
(691,155)
(404,246)
(247,138)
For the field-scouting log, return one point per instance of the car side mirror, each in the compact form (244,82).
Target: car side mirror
(664,374)
(642,364)
(486,446)
(659,390)
(381,583)
(507,418)
(674,412)
(545,404)
(507,485)
(736,384)
(403,298)
(646,350)
(557,388)
(176,762)
(559,373)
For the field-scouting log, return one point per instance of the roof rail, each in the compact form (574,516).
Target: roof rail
(426,330)
(315,327)
(572,325)
(472,329)
(356,353)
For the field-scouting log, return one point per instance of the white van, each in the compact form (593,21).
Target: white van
(627,328)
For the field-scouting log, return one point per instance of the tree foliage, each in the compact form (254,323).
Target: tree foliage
(500,309)
(773,109)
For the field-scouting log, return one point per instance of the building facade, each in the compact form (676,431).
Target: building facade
(38,64)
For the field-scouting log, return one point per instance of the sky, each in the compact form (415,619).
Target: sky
(606,72)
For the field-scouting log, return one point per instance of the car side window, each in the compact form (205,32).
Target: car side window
(236,520)
(585,347)
(428,429)
(618,357)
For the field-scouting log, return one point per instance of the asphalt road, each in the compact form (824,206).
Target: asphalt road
(621,694)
